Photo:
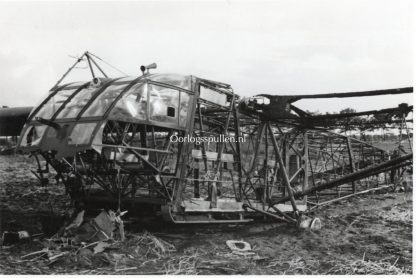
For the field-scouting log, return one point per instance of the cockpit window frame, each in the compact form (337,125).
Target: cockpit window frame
(180,124)
(82,87)
(47,99)
(96,95)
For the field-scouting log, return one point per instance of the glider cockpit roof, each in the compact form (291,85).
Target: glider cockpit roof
(98,98)
(72,116)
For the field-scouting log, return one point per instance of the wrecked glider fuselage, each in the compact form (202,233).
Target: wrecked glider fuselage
(190,149)
(125,140)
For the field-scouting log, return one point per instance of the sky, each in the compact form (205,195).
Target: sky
(274,47)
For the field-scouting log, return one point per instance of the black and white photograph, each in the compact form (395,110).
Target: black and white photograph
(206,137)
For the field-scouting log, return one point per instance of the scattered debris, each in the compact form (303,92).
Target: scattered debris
(10,238)
(42,252)
(239,247)
(8,151)
(126,269)
(77,221)
(100,247)
(305,222)
(232,244)
(81,239)
(100,228)
(154,247)
(93,242)
(184,265)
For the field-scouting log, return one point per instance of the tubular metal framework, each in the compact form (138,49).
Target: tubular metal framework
(193,150)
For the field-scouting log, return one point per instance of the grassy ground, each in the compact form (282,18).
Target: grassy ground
(370,234)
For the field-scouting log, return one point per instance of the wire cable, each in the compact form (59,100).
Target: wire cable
(108,64)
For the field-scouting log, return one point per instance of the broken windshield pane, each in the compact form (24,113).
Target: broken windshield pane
(104,101)
(49,108)
(213,96)
(181,81)
(78,102)
(33,135)
(132,106)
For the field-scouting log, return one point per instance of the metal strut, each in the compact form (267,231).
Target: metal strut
(90,61)
(393,163)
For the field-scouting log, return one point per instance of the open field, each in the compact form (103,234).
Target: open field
(370,234)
